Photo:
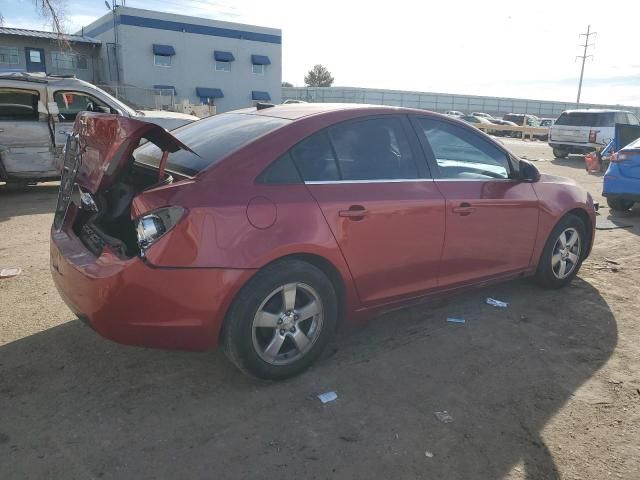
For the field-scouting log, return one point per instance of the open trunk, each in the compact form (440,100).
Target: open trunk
(99,161)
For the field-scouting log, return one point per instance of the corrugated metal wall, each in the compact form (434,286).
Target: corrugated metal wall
(439,102)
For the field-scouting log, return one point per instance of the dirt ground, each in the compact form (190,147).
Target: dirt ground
(546,388)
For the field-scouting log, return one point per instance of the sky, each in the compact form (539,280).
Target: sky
(497,48)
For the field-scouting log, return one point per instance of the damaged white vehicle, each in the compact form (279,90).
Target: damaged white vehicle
(37,112)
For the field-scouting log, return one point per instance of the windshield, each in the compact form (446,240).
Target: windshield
(587,119)
(212,139)
(118,103)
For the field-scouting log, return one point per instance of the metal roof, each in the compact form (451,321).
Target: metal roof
(21,32)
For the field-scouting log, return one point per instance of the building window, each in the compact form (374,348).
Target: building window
(9,55)
(257,69)
(223,66)
(162,60)
(69,61)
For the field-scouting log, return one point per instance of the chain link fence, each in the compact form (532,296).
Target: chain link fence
(439,102)
(141,98)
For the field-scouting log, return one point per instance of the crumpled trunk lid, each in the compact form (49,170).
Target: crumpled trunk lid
(100,149)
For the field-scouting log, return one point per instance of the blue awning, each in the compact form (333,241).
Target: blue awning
(205,92)
(223,56)
(262,96)
(260,60)
(165,87)
(165,50)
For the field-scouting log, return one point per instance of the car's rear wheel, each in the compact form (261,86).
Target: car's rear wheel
(563,253)
(560,153)
(619,204)
(281,320)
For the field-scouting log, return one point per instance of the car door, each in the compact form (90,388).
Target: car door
(492,218)
(373,187)
(25,139)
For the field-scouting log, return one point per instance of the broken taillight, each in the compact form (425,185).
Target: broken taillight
(153,225)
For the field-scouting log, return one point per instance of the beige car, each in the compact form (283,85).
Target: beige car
(37,112)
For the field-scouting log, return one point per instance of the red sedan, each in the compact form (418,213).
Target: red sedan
(263,229)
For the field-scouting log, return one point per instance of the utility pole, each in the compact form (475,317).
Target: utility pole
(584,56)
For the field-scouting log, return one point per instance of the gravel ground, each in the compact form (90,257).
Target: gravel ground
(547,388)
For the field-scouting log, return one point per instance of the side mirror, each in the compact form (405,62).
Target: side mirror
(528,173)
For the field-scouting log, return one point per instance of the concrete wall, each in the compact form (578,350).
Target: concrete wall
(193,64)
(439,102)
(91,74)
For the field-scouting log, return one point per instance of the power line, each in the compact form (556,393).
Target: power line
(584,56)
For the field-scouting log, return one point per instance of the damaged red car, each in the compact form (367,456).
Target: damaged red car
(263,229)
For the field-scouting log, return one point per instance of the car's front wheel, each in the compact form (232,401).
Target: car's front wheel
(281,320)
(560,153)
(563,253)
(619,204)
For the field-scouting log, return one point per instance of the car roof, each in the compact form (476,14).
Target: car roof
(34,78)
(594,110)
(295,111)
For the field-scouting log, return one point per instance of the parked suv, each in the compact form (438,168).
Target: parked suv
(584,131)
(37,112)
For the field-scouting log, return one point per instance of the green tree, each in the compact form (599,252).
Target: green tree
(287,84)
(318,76)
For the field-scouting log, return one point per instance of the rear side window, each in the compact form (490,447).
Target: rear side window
(212,139)
(18,105)
(462,154)
(375,149)
(315,160)
(587,119)
(281,171)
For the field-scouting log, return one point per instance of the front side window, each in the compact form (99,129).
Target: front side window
(223,66)
(462,154)
(257,69)
(374,149)
(71,103)
(9,55)
(69,61)
(18,104)
(162,60)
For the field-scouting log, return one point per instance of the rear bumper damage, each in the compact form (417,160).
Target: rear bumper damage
(132,302)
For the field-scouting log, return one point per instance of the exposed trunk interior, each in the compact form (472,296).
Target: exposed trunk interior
(111,224)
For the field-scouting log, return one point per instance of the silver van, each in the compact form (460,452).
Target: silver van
(37,112)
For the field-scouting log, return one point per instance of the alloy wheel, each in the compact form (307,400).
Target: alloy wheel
(566,253)
(287,324)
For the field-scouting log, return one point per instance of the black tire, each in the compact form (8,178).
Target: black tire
(546,277)
(619,204)
(238,332)
(560,153)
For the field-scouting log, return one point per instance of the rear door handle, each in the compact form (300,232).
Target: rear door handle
(355,212)
(463,209)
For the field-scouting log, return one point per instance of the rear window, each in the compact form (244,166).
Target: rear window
(212,139)
(587,119)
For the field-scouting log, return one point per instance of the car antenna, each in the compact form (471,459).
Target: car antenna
(262,106)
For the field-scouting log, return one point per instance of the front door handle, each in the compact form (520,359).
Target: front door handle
(463,209)
(355,212)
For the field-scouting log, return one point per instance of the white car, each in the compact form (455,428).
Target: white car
(584,131)
(37,112)
(454,113)
(483,115)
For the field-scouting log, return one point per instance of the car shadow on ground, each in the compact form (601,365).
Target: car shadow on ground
(608,219)
(27,200)
(78,406)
